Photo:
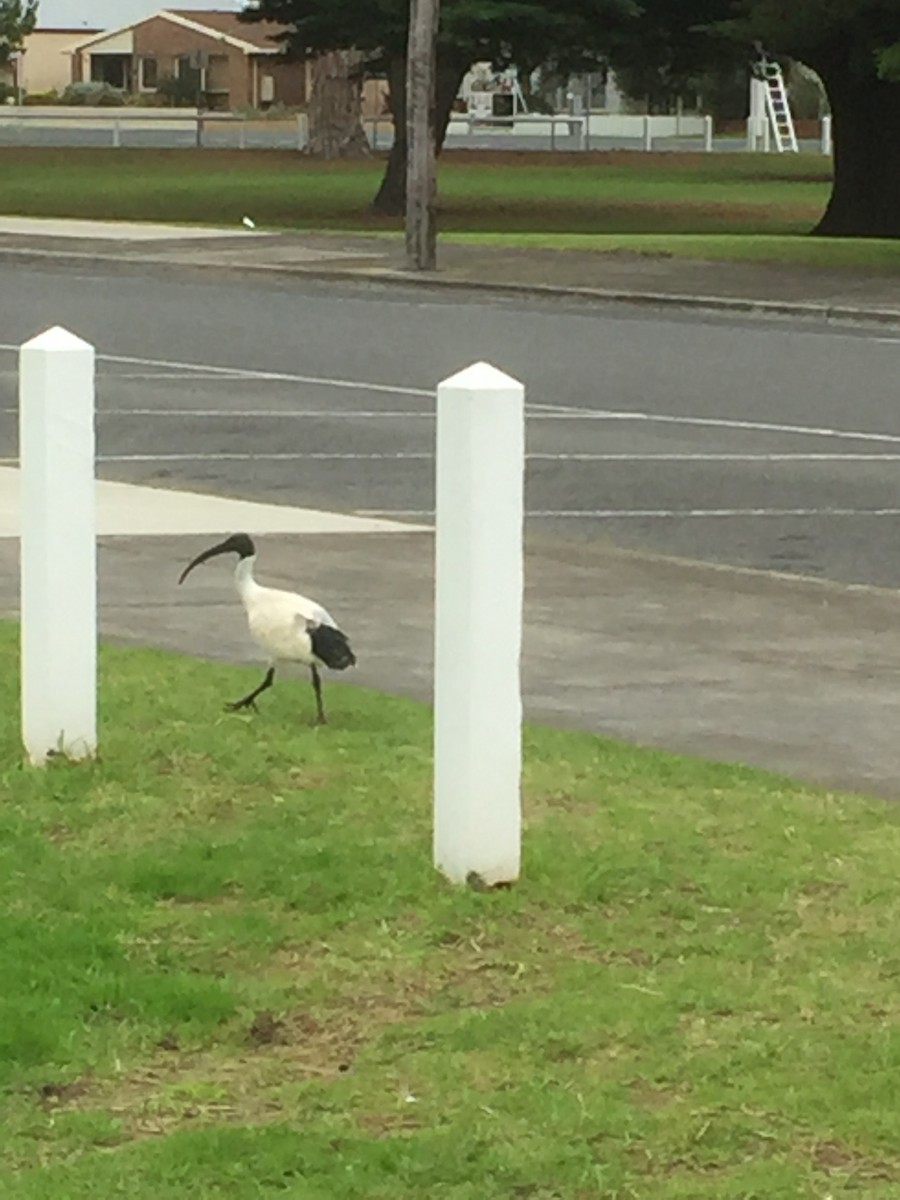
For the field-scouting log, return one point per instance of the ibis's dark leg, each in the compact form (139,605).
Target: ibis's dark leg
(317,688)
(249,701)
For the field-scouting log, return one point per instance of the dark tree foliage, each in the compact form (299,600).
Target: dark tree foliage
(17,20)
(853,45)
(569,34)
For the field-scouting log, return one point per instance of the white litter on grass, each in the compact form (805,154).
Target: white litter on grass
(251,224)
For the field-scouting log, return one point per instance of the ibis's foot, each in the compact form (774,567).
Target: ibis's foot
(249,701)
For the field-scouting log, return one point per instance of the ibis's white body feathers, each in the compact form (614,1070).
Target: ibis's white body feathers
(280,622)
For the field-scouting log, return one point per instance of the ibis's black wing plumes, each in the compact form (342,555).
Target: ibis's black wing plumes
(239,544)
(331,647)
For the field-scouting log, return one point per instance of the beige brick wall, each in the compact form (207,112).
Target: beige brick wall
(233,79)
(167,42)
(47,66)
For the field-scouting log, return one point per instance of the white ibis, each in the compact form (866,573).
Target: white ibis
(287,626)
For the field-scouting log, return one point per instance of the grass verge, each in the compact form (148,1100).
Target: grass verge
(716,205)
(872,254)
(229,970)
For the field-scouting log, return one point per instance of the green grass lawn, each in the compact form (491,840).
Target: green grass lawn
(538,198)
(229,970)
(870,254)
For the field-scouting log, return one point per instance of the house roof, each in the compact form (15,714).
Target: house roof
(259,34)
(252,39)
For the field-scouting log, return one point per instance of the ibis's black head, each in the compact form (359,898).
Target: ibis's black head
(239,544)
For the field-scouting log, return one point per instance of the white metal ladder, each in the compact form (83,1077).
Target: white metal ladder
(777,106)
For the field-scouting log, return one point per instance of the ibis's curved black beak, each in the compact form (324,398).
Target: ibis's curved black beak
(239,544)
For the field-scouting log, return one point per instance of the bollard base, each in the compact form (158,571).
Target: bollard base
(479,884)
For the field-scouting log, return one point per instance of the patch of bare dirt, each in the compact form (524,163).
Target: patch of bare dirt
(644,1094)
(241,1078)
(266,1030)
(57,1095)
(836,1158)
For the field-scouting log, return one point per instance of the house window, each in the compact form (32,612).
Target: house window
(149,75)
(113,69)
(190,79)
(217,73)
(189,67)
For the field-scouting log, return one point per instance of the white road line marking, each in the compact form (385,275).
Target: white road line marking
(252,414)
(241,373)
(285,456)
(689,458)
(540,414)
(247,414)
(765,458)
(272,376)
(400,456)
(621,513)
(179,375)
(537,411)
(717,423)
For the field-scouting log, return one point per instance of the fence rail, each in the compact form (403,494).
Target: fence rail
(159,128)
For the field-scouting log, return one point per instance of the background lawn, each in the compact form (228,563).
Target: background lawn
(229,970)
(738,206)
(723,205)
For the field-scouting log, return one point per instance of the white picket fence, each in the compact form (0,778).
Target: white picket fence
(133,128)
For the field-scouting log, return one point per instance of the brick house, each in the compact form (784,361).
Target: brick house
(231,64)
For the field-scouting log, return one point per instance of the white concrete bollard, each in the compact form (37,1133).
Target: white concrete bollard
(648,133)
(58,547)
(758,121)
(708,134)
(478,626)
(826,134)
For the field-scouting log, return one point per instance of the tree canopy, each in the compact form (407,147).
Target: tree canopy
(17,20)
(565,34)
(853,45)
(503,31)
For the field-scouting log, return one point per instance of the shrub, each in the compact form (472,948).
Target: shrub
(146,100)
(42,98)
(93,95)
(176,92)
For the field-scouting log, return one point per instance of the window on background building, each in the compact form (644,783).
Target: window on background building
(217,74)
(149,75)
(113,69)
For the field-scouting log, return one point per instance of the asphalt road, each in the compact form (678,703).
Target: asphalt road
(774,445)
